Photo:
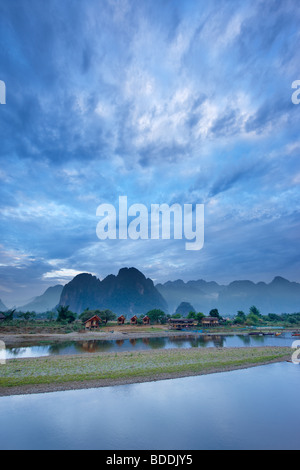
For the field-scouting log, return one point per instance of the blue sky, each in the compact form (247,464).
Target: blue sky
(164,101)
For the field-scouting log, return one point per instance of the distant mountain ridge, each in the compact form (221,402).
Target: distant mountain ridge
(3,308)
(45,302)
(280,296)
(129,293)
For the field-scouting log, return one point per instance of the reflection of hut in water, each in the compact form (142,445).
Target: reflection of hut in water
(133,320)
(121,320)
(146,340)
(93,322)
(132,341)
(89,346)
(120,342)
(206,338)
(146,320)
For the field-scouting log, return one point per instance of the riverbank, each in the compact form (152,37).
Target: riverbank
(57,373)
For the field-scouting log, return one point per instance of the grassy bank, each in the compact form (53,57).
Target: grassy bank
(113,367)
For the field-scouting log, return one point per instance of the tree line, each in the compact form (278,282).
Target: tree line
(64,315)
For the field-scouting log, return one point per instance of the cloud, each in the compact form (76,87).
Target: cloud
(182,103)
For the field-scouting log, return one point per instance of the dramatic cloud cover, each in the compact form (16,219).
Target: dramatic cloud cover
(163,101)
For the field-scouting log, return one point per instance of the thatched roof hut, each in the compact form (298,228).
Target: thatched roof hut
(93,322)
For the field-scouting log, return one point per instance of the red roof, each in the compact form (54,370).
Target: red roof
(94,317)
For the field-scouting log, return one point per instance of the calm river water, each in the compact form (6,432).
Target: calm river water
(256,408)
(187,341)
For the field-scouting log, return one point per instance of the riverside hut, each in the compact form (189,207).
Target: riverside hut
(146,320)
(121,320)
(210,321)
(93,322)
(133,320)
(182,323)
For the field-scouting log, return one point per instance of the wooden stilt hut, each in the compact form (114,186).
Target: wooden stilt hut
(121,320)
(133,320)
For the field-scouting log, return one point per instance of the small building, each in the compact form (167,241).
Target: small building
(210,321)
(146,320)
(93,322)
(121,320)
(182,323)
(133,320)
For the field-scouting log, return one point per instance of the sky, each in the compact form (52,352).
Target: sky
(162,101)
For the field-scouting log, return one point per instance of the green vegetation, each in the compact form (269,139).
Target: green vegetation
(255,318)
(65,315)
(157,316)
(128,365)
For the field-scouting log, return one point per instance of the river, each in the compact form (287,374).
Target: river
(256,408)
(185,341)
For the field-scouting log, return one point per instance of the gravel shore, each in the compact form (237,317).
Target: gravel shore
(51,374)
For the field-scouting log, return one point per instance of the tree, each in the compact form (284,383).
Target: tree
(50,316)
(157,316)
(87,314)
(240,319)
(65,315)
(253,319)
(27,316)
(9,315)
(254,311)
(199,317)
(176,315)
(107,315)
(191,315)
(214,313)
(274,317)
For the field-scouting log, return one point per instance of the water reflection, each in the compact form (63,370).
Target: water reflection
(246,409)
(180,341)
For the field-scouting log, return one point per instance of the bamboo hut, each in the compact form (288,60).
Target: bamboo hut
(133,320)
(210,321)
(181,323)
(121,320)
(93,322)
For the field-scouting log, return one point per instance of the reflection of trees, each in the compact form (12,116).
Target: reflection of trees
(244,339)
(183,341)
(56,348)
(218,341)
(157,343)
(257,339)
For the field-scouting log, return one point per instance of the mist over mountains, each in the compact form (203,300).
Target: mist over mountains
(42,303)
(3,308)
(280,296)
(131,293)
